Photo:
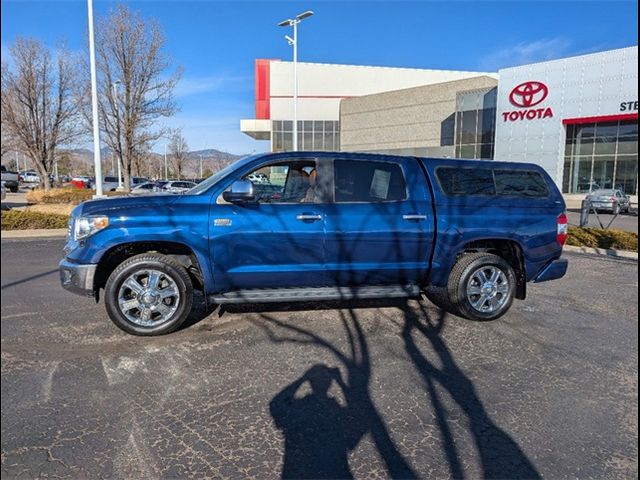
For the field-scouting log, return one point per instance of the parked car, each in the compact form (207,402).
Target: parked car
(177,186)
(470,234)
(30,177)
(81,182)
(144,188)
(10,180)
(110,183)
(614,201)
(257,178)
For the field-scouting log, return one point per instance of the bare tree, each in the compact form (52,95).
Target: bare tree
(179,151)
(135,88)
(7,143)
(39,109)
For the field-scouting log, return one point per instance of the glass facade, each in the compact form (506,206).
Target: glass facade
(475,124)
(312,135)
(601,155)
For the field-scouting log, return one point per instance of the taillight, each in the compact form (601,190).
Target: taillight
(563,229)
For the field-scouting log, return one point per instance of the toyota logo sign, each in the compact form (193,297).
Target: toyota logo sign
(528,94)
(525,96)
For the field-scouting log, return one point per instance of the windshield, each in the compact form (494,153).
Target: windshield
(216,177)
(603,192)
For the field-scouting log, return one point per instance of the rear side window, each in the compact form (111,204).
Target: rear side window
(358,181)
(489,182)
(466,181)
(520,183)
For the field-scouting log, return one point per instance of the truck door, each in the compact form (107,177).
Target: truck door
(277,240)
(380,227)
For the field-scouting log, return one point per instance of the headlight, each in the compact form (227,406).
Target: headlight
(85,226)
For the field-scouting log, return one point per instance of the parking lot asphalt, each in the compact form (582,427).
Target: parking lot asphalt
(370,390)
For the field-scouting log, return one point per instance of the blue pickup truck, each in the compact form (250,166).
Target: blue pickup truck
(312,226)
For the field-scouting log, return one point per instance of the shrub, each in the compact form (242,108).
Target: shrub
(59,195)
(601,238)
(70,195)
(27,220)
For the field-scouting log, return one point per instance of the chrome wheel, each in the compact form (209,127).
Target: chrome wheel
(488,289)
(148,298)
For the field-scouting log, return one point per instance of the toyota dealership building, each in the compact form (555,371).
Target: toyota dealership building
(576,117)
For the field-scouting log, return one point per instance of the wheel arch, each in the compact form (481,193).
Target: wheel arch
(508,249)
(117,254)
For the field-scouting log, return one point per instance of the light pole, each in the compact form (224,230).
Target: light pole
(94,104)
(166,167)
(116,103)
(293,22)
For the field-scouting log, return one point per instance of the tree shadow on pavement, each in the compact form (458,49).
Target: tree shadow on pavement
(316,418)
(500,455)
(319,433)
(29,279)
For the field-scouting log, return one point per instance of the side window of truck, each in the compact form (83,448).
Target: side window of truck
(489,182)
(359,181)
(466,181)
(520,183)
(284,182)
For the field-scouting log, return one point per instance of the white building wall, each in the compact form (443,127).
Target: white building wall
(322,86)
(586,86)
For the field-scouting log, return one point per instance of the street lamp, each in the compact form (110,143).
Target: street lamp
(116,103)
(94,103)
(293,22)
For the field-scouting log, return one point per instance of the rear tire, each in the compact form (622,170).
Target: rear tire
(13,189)
(481,286)
(149,294)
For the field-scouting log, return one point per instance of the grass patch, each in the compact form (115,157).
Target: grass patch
(601,238)
(27,220)
(68,195)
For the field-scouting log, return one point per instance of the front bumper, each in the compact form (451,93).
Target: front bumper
(553,271)
(77,278)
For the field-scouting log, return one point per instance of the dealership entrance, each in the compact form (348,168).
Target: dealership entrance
(601,154)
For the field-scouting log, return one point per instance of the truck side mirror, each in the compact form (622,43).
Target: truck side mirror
(240,191)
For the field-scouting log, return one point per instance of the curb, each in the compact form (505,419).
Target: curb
(603,252)
(40,233)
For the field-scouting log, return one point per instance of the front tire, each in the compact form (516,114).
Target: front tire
(481,286)
(149,294)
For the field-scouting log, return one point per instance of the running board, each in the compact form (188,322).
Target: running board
(315,294)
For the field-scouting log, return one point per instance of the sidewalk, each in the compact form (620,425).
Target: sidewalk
(41,233)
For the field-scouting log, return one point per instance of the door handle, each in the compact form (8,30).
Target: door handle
(308,217)
(413,216)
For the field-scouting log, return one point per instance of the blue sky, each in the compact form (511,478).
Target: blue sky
(216,42)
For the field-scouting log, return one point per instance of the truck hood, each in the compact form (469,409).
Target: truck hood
(129,205)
